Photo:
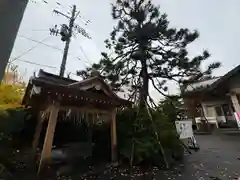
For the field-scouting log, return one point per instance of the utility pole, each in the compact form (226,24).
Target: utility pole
(66,32)
(64,59)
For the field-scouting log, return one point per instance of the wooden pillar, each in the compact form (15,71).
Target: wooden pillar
(90,132)
(235,103)
(37,136)
(236,106)
(47,147)
(113,138)
(90,126)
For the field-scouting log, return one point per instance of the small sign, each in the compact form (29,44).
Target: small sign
(184,129)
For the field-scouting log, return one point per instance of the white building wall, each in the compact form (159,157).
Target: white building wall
(211,111)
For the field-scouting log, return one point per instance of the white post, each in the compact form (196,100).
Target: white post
(215,116)
(204,110)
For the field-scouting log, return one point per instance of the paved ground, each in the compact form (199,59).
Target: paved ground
(218,158)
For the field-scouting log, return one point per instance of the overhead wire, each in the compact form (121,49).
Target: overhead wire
(40,30)
(47,45)
(85,55)
(43,65)
(48,3)
(29,50)
(51,5)
(37,64)
(33,40)
(87,61)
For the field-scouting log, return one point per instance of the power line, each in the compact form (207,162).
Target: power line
(85,55)
(42,65)
(53,47)
(85,63)
(33,40)
(29,50)
(37,64)
(48,4)
(40,30)
(68,72)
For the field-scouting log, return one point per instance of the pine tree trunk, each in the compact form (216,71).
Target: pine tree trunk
(145,85)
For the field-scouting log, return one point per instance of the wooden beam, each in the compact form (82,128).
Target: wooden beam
(37,135)
(47,147)
(86,109)
(40,120)
(113,138)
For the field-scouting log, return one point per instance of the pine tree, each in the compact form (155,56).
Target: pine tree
(146,50)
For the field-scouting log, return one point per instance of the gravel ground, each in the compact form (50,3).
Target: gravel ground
(217,159)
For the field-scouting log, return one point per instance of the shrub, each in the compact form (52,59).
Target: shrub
(137,139)
(11,122)
(11,95)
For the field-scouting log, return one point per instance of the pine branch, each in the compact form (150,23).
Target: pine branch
(153,83)
(152,101)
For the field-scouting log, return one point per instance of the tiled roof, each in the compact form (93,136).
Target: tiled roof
(211,84)
(201,84)
(61,85)
(55,79)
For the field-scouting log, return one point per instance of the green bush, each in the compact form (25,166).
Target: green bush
(137,139)
(11,122)
(11,113)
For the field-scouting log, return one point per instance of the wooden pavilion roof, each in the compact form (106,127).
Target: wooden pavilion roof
(92,92)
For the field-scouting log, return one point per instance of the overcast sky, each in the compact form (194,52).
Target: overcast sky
(216,20)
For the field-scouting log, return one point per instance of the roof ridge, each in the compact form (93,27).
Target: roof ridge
(206,79)
(56,76)
(227,75)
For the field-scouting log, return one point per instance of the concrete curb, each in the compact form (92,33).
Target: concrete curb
(203,133)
